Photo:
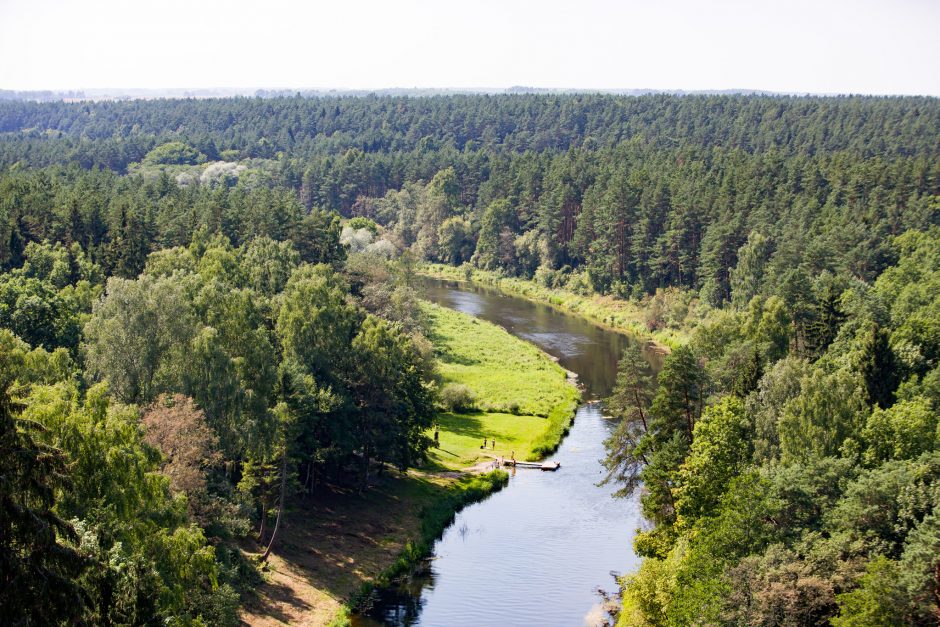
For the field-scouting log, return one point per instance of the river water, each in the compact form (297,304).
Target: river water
(538,551)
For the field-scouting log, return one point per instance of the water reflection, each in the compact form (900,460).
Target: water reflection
(536,552)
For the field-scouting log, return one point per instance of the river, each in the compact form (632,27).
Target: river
(538,551)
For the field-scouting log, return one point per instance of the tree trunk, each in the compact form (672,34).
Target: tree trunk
(264,517)
(307,482)
(639,407)
(280,505)
(365,471)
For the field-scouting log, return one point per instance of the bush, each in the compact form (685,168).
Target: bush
(458,398)
(360,222)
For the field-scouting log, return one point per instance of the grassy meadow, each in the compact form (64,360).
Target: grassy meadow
(522,397)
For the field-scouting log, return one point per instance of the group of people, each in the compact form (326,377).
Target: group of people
(487,443)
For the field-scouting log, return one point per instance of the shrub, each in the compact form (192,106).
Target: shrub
(360,222)
(458,398)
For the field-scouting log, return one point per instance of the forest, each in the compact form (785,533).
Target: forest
(208,307)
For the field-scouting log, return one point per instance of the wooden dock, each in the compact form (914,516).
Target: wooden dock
(548,465)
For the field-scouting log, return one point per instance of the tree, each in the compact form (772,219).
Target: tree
(748,275)
(260,482)
(315,325)
(720,450)
(439,203)
(316,238)
(36,312)
(489,253)
(904,431)
(629,403)
(876,363)
(770,326)
(823,418)
(765,405)
(879,600)
(232,364)
(174,153)
(826,315)
(137,337)
(676,407)
(680,396)
(286,423)
(268,264)
(391,387)
(39,564)
(455,238)
(149,561)
(177,428)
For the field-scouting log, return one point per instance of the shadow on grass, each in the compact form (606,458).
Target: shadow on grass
(275,598)
(339,539)
(443,351)
(467,425)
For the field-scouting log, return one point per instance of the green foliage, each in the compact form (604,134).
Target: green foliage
(491,248)
(904,431)
(680,397)
(36,312)
(315,325)
(629,402)
(878,600)
(823,418)
(137,337)
(455,238)
(721,449)
(878,366)
(360,222)
(395,404)
(39,564)
(458,398)
(316,238)
(174,153)
(747,276)
(840,523)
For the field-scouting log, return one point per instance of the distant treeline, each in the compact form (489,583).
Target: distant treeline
(308,127)
(639,192)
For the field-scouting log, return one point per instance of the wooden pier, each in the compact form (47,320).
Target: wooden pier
(548,465)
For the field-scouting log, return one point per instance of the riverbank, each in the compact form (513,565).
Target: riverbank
(340,544)
(670,314)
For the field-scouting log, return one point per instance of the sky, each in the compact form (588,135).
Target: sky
(798,46)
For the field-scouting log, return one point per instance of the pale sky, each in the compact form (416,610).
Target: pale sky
(823,46)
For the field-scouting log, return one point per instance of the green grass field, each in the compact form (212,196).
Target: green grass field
(523,397)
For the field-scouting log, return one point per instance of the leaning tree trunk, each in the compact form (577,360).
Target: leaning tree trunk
(280,506)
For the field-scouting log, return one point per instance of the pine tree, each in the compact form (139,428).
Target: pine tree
(629,402)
